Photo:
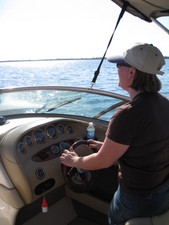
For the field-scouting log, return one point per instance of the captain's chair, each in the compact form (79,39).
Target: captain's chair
(155,220)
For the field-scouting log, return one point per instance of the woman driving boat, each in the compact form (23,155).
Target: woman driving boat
(137,137)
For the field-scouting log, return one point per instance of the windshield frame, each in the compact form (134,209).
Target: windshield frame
(109,100)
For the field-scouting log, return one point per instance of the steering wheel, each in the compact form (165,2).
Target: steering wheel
(77,179)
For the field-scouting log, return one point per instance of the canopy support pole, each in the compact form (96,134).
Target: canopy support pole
(160,25)
(119,18)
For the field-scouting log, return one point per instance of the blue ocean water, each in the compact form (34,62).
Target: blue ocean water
(77,73)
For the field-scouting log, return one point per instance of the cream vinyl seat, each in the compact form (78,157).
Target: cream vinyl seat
(155,220)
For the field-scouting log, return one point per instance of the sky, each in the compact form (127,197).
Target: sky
(49,29)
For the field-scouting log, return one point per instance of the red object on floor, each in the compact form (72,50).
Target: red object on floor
(44,205)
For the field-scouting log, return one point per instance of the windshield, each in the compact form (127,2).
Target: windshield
(67,101)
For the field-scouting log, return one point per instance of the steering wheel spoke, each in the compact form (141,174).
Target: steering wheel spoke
(77,179)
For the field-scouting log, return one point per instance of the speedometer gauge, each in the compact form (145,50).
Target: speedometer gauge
(51,131)
(39,136)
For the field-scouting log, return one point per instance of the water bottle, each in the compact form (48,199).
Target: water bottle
(90,133)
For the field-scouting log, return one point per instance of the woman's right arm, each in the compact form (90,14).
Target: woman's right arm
(95,144)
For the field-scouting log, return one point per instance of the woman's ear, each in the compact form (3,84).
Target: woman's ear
(132,72)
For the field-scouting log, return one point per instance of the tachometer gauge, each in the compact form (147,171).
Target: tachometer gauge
(51,131)
(39,136)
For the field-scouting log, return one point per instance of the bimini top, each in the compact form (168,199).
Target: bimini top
(146,9)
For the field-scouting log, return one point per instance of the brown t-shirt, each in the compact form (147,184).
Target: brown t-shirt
(143,124)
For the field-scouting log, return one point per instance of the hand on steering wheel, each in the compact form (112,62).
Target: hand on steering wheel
(78,180)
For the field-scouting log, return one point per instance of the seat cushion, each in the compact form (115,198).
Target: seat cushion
(161,219)
(155,220)
(140,221)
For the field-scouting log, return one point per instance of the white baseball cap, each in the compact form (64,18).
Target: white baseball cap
(144,57)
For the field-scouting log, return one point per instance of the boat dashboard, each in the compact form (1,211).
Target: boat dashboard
(36,125)
(30,151)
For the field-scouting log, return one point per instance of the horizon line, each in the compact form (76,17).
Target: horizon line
(56,59)
(30,60)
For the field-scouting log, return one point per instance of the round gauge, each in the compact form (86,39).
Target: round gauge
(64,145)
(39,136)
(55,150)
(69,129)
(20,147)
(28,140)
(40,173)
(61,129)
(51,131)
